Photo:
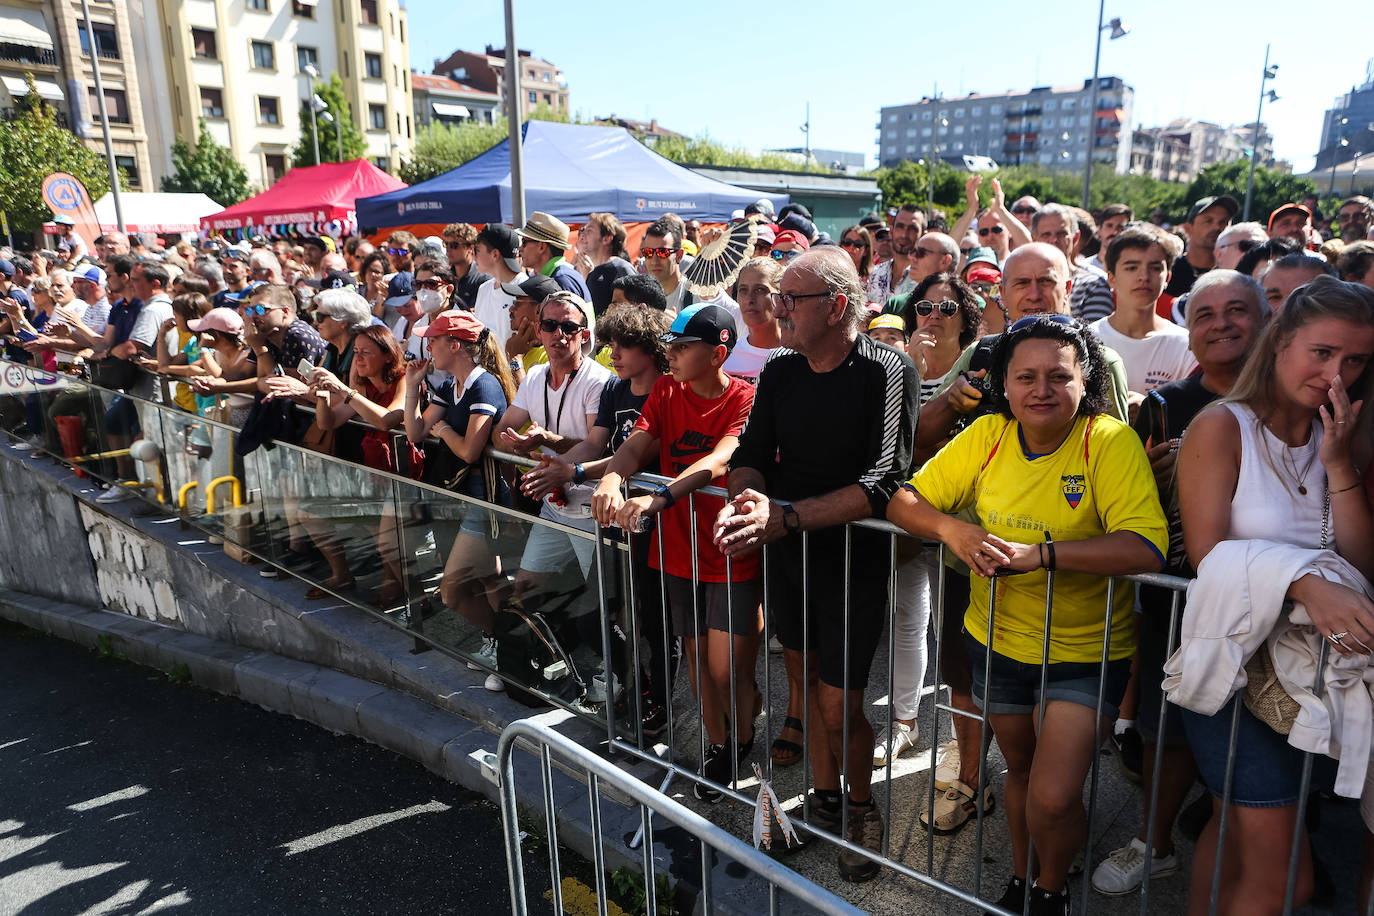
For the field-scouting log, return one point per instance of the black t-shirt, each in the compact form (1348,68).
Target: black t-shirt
(618,411)
(466,289)
(601,278)
(810,434)
(1183,277)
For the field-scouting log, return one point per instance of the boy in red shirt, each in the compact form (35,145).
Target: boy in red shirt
(692,419)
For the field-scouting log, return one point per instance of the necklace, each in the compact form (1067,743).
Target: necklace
(1292,465)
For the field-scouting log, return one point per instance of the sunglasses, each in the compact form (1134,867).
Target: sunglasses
(657,252)
(1024,208)
(926,251)
(991,230)
(949,308)
(965,251)
(430,284)
(1030,320)
(882,235)
(259,309)
(398,252)
(453,246)
(778,254)
(1243,244)
(851,243)
(568,328)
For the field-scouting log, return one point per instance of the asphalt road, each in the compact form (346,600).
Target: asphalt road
(123,792)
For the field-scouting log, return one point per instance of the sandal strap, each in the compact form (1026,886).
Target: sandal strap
(793,723)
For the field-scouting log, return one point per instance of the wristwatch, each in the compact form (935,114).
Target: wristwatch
(791,522)
(667,494)
(579,473)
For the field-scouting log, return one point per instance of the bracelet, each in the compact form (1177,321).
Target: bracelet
(579,473)
(1049,542)
(1041,549)
(1343,489)
(349,397)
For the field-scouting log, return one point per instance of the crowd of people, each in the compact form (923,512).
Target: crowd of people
(1033,387)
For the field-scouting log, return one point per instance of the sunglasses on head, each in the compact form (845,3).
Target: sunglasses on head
(948,307)
(568,328)
(991,230)
(1023,323)
(433,283)
(657,252)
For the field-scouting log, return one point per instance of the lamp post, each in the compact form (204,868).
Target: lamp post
(338,131)
(313,74)
(1336,153)
(104,118)
(1118,30)
(1270,72)
(513,102)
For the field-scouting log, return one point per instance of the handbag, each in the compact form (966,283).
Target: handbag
(1264,695)
(319,439)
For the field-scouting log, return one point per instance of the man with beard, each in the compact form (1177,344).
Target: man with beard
(892,276)
(1206,220)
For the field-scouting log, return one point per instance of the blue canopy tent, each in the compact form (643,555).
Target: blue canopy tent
(571,171)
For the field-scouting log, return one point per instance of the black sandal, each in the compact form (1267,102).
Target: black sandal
(783,752)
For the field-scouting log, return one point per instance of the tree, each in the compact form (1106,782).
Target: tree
(354,146)
(207,168)
(32,146)
(1272,187)
(440,147)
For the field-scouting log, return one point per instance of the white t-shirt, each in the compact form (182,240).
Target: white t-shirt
(492,308)
(1162,356)
(746,361)
(564,411)
(79,308)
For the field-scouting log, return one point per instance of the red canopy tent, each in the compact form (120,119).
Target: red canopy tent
(309,200)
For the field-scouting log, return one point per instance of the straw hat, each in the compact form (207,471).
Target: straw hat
(543,227)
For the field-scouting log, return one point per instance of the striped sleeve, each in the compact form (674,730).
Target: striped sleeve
(900,387)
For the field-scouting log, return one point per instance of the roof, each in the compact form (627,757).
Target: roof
(155,211)
(310,195)
(428,82)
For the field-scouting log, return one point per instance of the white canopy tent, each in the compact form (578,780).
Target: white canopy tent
(156,212)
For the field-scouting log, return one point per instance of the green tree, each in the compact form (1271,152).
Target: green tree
(207,168)
(440,147)
(33,146)
(702,150)
(354,146)
(1272,187)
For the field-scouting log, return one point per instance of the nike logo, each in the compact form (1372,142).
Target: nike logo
(691,442)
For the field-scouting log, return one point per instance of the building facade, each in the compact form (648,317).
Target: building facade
(1048,125)
(541,82)
(49,41)
(1183,147)
(440,100)
(240,65)
(1350,119)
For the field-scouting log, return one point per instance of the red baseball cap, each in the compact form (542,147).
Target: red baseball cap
(454,323)
(792,235)
(1284,209)
(984,275)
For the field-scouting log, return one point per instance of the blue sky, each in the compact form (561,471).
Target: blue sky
(744,71)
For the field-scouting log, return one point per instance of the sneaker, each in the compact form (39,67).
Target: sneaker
(1130,753)
(494,684)
(946,765)
(866,830)
(1122,871)
(1049,903)
(824,815)
(955,808)
(485,657)
(715,766)
(116,494)
(269,572)
(597,692)
(655,721)
(902,738)
(1013,899)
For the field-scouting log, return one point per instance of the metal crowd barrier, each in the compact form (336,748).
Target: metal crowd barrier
(288,489)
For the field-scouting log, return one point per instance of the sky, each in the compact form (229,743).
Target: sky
(744,71)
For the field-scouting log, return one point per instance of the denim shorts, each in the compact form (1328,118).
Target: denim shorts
(1016,685)
(1268,770)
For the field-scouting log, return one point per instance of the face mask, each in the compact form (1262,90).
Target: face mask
(430,299)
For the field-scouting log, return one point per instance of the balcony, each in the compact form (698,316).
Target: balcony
(12,53)
(11,114)
(1030,111)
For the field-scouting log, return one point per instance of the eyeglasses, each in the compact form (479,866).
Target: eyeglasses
(568,328)
(1243,244)
(851,243)
(1030,320)
(658,252)
(1024,208)
(991,230)
(777,254)
(788,301)
(948,308)
(926,251)
(431,284)
(398,252)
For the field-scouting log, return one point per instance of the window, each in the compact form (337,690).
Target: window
(302,10)
(1069,103)
(116,106)
(1081,156)
(1051,105)
(546,76)
(264,57)
(211,102)
(307,57)
(925,131)
(376,117)
(273,167)
(381,162)
(911,131)
(259,5)
(372,66)
(958,128)
(129,166)
(911,147)
(944,112)
(269,110)
(995,109)
(1084,120)
(106,44)
(976,110)
(926,116)
(203,44)
(548,99)
(368,11)
(976,127)
(891,151)
(891,118)
(959,112)
(534,97)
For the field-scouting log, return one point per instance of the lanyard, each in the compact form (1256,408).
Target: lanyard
(567,383)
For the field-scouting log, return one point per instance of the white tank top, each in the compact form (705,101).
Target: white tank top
(1267,504)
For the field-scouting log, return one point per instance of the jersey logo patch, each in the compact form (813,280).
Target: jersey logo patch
(1073,487)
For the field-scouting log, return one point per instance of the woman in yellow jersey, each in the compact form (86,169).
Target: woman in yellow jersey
(1056,484)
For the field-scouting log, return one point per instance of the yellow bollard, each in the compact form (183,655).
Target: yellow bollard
(235,490)
(186,488)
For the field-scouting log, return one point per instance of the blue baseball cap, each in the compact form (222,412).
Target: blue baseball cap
(244,294)
(400,289)
(705,322)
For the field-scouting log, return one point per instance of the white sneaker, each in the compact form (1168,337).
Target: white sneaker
(901,739)
(1122,871)
(116,494)
(495,684)
(947,764)
(484,657)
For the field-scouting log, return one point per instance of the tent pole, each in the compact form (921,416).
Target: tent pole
(513,105)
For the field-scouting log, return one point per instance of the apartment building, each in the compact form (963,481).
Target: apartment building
(440,100)
(241,65)
(541,82)
(1185,146)
(1054,126)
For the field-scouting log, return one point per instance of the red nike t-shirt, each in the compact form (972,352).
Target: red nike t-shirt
(688,427)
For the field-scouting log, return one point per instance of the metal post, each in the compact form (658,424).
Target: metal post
(517,166)
(104,118)
(1254,143)
(314,132)
(1092,107)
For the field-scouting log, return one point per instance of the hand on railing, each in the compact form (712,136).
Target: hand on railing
(607,500)
(284,386)
(552,472)
(746,523)
(635,509)
(983,552)
(523,443)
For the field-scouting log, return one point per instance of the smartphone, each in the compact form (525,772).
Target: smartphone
(304,368)
(26,336)
(1159,415)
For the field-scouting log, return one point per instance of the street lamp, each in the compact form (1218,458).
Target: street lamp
(310,71)
(1270,72)
(1118,31)
(328,118)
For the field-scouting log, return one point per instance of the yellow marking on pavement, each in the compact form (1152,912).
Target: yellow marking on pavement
(580,900)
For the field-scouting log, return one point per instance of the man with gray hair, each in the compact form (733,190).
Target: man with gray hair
(1235,241)
(829,441)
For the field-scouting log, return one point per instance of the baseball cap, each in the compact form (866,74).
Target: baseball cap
(871,219)
(766,234)
(538,288)
(63,219)
(894,322)
(91,274)
(6,268)
(984,275)
(220,319)
(318,242)
(1221,200)
(244,294)
(982,255)
(763,205)
(334,279)
(501,239)
(798,223)
(400,289)
(1284,209)
(795,237)
(454,323)
(704,321)
(235,254)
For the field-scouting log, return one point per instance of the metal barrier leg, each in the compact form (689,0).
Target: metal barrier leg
(1304,788)
(1227,787)
(1097,743)
(983,743)
(1153,808)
